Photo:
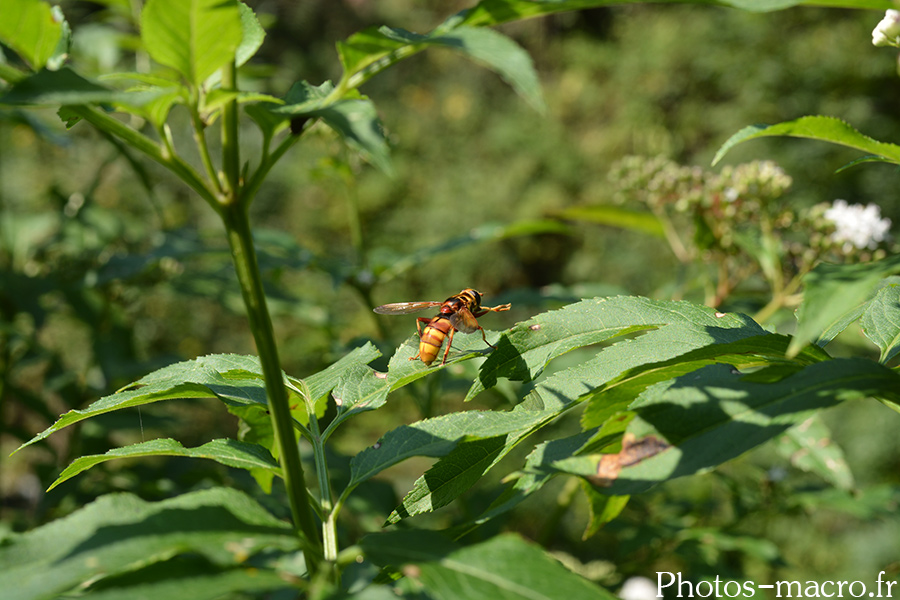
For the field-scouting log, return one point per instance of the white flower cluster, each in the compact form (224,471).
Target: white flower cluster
(857,225)
(887,32)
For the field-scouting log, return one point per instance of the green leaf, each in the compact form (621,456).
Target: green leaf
(616,393)
(881,321)
(194,37)
(503,567)
(369,52)
(826,129)
(187,578)
(120,532)
(355,120)
(452,475)
(65,87)
(536,472)
(235,380)
(439,436)
(495,12)
(603,508)
(32,29)
(524,351)
(499,53)
(252,35)
(810,448)
(231,453)
(833,291)
(715,414)
(616,216)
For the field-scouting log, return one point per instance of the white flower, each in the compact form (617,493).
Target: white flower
(638,588)
(887,32)
(857,225)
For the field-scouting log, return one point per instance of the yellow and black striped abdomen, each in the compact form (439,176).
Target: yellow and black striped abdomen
(433,338)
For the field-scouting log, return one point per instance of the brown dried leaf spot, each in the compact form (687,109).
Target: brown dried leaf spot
(633,451)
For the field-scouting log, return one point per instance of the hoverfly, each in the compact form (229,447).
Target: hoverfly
(458,313)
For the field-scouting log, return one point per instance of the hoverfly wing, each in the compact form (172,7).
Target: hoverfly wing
(404,308)
(463,320)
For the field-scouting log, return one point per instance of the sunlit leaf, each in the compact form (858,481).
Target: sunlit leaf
(232,378)
(371,51)
(32,29)
(354,119)
(524,351)
(439,436)
(252,35)
(194,37)
(826,129)
(228,452)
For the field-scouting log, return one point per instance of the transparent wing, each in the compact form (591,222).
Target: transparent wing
(463,320)
(404,308)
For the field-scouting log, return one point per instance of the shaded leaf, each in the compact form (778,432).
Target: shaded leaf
(603,508)
(231,453)
(65,87)
(716,414)
(535,473)
(503,567)
(120,532)
(495,12)
(183,579)
(452,475)
(810,448)
(355,120)
(831,292)
(881,321)
(616,393)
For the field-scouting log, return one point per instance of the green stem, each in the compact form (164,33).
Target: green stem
(329,526)
(237,225)
(231,151)
(203,147)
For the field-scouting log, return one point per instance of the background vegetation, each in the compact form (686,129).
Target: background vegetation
(98,286)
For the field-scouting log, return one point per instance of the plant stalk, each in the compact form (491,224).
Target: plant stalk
(231,150)
(243,252)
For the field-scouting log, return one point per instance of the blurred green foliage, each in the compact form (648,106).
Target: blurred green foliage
(100,280)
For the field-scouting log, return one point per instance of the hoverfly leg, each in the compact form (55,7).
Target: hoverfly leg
(419,322)
(449,341)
